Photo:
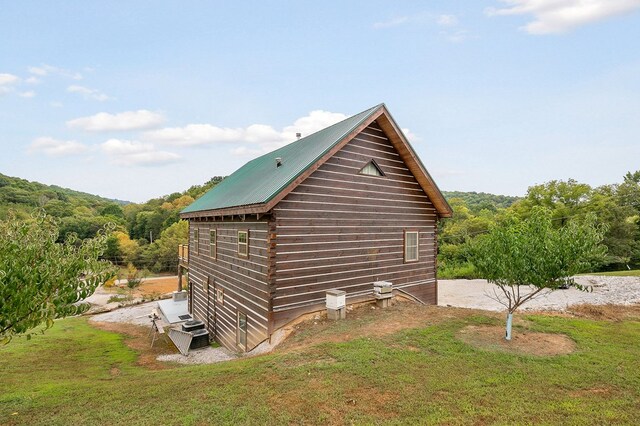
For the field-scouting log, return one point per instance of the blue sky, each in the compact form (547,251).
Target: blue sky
(134,100)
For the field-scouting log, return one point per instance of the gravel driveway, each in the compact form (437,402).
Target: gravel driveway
(473,294)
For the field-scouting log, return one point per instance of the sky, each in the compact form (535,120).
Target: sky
(135,100)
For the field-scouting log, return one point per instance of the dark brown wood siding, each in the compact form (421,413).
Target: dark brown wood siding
(340,229)
(242,279)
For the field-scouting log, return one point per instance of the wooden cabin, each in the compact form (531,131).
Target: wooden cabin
(339,209)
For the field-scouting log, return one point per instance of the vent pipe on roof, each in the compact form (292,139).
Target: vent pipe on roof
(298,135)
(278,162)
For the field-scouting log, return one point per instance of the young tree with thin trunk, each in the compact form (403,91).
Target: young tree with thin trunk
(41,279)
(527,258)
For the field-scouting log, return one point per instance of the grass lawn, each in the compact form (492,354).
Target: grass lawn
(631,273)
(77,374)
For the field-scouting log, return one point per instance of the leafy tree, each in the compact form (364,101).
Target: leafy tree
(523,258)
(134,278)
(165,248)
(41,279)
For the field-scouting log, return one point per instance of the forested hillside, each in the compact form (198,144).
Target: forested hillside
(477,201)
(616,206)
(146,235)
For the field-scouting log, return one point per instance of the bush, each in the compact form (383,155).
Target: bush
(447,271)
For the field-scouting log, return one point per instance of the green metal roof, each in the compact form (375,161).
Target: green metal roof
(259,180)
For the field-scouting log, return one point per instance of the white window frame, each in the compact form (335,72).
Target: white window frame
(213,243)
(375,165)
(245,244)
(407,259)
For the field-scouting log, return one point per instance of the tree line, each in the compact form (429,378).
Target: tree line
(615,206)
(146,235)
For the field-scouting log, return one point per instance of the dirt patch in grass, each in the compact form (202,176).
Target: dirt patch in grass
(606,312)
(522,342)
(159,286)
(137,338)
(366,320)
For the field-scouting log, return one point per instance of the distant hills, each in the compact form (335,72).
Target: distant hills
(477,201)
(23,196)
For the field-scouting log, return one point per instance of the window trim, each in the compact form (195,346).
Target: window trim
(417,246)
(246,244)
(238,330)
(206,284)
(213,243)
(376,165)
(220,295)
(196,239)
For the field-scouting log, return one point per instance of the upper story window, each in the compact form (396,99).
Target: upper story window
(243,243)
(196,240)
(213,243)
(410,246)
(371,169)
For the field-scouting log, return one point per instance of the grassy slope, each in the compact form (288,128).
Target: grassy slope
(76,374)
(623,273)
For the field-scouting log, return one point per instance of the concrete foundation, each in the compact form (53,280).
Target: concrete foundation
(337,314)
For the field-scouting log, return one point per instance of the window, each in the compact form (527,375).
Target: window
(212,243)
(371,169)
(205,284)
(243,243)
(220,296)
(241,337)
(196,240)
(410,246)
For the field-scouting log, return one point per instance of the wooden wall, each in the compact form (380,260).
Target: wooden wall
(243,280)
(339,229)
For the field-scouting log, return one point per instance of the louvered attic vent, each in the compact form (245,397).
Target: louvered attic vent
(371,169)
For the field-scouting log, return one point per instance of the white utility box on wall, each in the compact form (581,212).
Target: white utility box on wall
(336,299)
(336,304)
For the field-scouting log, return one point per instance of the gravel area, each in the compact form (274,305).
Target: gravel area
(136,314)
(200,356)
(606,290)
(139,315)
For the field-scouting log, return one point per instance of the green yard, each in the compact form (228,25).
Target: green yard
(629,273)
(76,374)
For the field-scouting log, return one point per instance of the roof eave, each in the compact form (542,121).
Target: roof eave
(404,148)
(230,211)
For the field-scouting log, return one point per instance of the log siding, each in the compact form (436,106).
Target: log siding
(341,229)
(242,279)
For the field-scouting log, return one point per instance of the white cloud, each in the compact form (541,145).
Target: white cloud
(56,148)
(558,16)
(447,20)
(135,153)
(6,83)
(394,22)
(412,137)
(261,138)
(6,79)
(32,80)
(44,70)
(28,94)
(56,104)
(194,134)
(128,120)
(457,36)
(88,93)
